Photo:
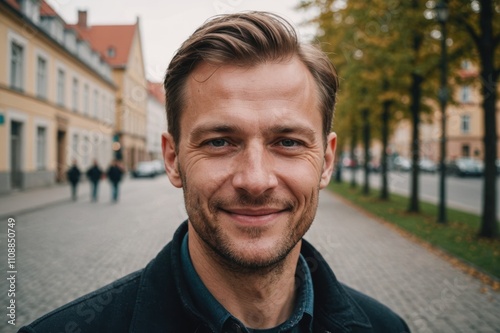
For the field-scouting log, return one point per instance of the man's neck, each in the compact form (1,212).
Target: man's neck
(259,300)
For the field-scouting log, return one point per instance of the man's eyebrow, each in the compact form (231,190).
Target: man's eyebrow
(205,129)
(309,133)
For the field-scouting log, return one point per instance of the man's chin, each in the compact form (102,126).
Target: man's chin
(251,257)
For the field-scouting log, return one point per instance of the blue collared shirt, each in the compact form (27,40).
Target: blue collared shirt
(221,320)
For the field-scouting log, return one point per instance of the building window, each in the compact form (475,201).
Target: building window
(465,94)
(87,146)
(111,111)
(465,124)
(16,66)
(60,87)
(31,9)
(111,52)
(465,150)
(103,107)
(75,147)
(465,64)
(41,77)
(75,94)
(96,103)
(41,148)
(86,99)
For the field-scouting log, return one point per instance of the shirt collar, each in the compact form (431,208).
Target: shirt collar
(218,317)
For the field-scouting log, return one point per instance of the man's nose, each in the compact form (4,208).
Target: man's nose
(255,171)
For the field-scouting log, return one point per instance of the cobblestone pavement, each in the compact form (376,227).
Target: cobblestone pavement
(427,291)
(69,249)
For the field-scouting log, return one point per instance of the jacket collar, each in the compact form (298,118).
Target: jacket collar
(162,289)
(334,308)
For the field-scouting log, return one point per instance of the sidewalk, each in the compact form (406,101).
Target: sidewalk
(25,201)
(30,200)
(430,292)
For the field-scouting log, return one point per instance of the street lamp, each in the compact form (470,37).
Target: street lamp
(442,16)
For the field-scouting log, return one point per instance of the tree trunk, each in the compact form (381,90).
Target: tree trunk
(416,96)
(489,76)
(416,93)
(384,193)
(366,143)
(354,164)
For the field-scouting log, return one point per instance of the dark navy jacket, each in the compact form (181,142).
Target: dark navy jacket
(156,299)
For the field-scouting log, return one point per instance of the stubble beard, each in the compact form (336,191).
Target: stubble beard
(208,228)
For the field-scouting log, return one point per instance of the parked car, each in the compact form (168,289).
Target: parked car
(402,164)
(159,166)
(145,169)
(427,165)
(374,166)
(349,163)
(465,166)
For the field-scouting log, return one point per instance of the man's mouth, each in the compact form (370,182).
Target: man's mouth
(254,216)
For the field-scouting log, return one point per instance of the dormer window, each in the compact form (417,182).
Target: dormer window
(466,64)
(111,52)
(31,8)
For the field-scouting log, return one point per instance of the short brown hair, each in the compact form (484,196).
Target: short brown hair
(246,39)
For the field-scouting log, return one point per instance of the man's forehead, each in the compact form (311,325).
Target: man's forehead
(287,77)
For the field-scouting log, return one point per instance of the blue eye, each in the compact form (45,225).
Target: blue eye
(288,143)
(217,142)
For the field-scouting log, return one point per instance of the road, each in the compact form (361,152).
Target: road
(69,249)
(461,193)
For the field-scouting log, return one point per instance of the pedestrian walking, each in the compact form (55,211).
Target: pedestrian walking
(73,175)
(94,174)
(249,111)
(114,175)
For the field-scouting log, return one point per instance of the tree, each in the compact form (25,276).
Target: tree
(365,39)
(366,145)
(480,20)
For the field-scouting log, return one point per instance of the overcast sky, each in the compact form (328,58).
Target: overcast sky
(165,24)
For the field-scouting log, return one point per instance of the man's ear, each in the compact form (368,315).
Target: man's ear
(170,159)
(329,162)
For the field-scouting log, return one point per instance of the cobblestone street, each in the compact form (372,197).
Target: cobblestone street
(72,248)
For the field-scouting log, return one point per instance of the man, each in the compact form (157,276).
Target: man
(73,175)
(94,174)
(249,112)
(114,174)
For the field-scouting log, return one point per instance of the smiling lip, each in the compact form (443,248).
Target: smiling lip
(254,217)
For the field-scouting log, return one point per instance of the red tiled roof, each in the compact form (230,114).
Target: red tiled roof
(47,10)
(100,37)
(104,37)
(14,4)
(155,89)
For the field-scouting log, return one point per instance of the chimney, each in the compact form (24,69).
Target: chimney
(82,18)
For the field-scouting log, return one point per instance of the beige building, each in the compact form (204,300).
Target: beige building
(464,125)
(156,119)
(57,97)
(121,47)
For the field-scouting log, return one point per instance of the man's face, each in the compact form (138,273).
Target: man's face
(251,159)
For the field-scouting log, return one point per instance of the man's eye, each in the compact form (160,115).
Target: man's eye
(289,143)
(217,143)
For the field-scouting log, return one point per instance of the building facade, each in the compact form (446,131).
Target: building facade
(464,124)
(156,120)
(121,47)
(57,97)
